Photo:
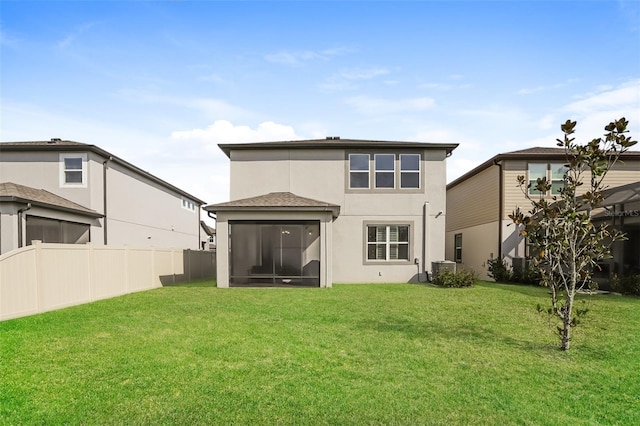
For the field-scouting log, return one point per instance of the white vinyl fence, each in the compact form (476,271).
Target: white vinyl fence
(44,277)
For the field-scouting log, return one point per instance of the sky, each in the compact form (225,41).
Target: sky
(161,83)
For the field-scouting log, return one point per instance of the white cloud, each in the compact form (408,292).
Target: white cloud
(596,109)
(344,79)
(302,57)
(223,131)
(624,96)
(208,107)
(545,88)
(376,106)
(70,38)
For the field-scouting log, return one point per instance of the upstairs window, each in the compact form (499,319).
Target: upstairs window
(358,170)
(387,242)
(409,171)
(552,172)
(73,170)
(188,205)
(385,170)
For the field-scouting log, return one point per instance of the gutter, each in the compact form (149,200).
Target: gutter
(498,163)
(104,198)
(20,212)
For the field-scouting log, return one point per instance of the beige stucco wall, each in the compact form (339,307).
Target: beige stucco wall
(139,212)
(322,174)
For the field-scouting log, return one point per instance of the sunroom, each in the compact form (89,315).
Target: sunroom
(274,240)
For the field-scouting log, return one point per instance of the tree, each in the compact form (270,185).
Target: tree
(567,244)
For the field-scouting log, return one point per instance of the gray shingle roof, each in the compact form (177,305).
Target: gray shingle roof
(275,201)
(13,192)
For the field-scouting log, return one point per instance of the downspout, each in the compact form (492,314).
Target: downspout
(500,205)
(425,234)
(104,199)
(22,210)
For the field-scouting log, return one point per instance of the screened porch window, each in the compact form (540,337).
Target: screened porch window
(56,231)
(274,253)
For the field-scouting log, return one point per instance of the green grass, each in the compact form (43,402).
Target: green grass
(354,354)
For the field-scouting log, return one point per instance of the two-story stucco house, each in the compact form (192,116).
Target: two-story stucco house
(70,192)
(480,201)
(314,212)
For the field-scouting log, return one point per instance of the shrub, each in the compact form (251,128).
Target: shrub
(629,284)
(461,278)
(500,271)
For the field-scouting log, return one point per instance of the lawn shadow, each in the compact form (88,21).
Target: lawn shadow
(205,282)
(463,333)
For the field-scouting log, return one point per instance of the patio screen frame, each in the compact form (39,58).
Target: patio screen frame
(274,253)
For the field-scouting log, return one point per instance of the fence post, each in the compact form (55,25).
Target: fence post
(37,244)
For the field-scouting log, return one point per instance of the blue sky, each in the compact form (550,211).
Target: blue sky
(161,83)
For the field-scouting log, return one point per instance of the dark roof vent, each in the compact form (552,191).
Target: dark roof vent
(55,140)
(333,138)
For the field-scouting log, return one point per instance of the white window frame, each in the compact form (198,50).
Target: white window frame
(403,172)
(63,170)
(387,242)
(385,171)
(367,172)
(188,205)
(549,167)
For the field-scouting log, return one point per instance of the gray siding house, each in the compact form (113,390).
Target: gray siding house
(70,192)
(314,212)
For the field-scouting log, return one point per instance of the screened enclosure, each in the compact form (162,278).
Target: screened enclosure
(274,253)
(56,231)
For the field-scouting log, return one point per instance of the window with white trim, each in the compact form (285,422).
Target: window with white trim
(188,205)
(73,170)
(409,170)
(359,170)
(385,166)
(552,172)
(384,171)
(387,242)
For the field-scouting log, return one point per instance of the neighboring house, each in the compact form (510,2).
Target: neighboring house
(479,202)
(70,192)
(207,237)
(314,212)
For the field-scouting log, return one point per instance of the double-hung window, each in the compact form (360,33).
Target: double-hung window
(73,170)
(358,170)
(387,242)
(409,170)
(385,170)
(551,172)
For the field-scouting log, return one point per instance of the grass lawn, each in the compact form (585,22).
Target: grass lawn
(354,354)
